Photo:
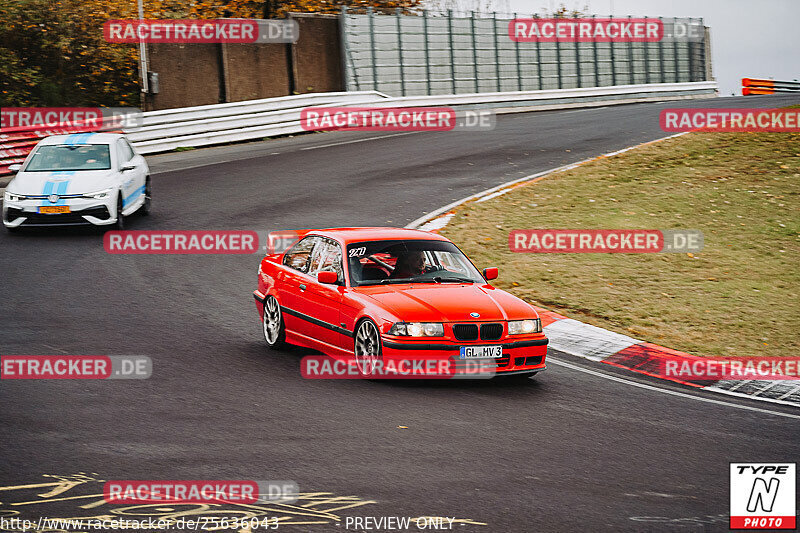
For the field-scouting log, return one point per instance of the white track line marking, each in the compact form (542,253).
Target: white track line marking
(550,359)
(358,140)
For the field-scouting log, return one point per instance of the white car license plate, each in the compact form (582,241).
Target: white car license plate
(481,352)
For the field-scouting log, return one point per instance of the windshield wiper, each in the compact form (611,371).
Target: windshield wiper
(408,280)
(440,279)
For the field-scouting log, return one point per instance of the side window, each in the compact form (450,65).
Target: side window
(129,148)
(298,257)
(124,151)
(327,256)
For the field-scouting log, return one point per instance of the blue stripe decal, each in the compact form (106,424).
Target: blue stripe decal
(78,138)
(61,191)
(57,187)
(72,138)
(133,196)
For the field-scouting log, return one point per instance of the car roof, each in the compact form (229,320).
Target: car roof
(348,235)
(82,138)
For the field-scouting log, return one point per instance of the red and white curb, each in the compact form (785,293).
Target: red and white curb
(597,344)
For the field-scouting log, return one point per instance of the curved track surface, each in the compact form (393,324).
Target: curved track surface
(565,451)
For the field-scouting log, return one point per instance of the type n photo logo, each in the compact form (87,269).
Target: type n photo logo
(763,496)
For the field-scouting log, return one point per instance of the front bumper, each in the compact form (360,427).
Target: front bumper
(519,356)
(82,211)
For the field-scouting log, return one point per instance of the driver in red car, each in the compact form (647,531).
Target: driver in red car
(409,264)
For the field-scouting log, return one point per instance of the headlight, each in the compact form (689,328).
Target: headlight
(522,327)
(10,197)
(99,194)
(418,329)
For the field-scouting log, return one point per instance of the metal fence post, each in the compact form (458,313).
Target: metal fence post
(703,56)
(558,63)
(474,52)
(578,63)
(427,52)
(452,48)
(372,45)
(675,49)
(630,60)
(690,49)
(400,52)
(496,51)
(646,51)
(661,53)
(344,49)
(539,60)
(613,60)
(594,49)
(519,64)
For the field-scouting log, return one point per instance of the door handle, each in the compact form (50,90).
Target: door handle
(302,286)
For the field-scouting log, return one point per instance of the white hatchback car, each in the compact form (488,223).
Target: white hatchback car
(82,178)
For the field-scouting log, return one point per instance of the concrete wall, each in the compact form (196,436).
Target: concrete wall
(254,71)
(317,55)
(188,74)
(200,74)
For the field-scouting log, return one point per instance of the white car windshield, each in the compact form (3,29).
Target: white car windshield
(70,157)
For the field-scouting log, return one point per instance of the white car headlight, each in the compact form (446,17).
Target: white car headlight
(523,327)
(99,195)
(11,197)
(418,329)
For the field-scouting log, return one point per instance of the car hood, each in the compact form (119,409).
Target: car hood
(62,182)
(448,302)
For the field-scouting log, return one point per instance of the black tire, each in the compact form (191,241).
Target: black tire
(367,347)
(275,337)
(120,223)
(12,230)
(148,194)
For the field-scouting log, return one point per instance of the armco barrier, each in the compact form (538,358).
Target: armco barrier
(169,129)
(198,126)
(751,86)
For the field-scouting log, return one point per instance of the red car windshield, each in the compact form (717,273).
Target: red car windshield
(411,261)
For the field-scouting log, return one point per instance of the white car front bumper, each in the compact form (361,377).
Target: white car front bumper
(100,212)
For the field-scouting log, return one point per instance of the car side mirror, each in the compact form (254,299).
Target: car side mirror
(14,168)
(490,273)
(327,277)
(129,166)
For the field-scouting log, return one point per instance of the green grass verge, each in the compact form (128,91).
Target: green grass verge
(738,297)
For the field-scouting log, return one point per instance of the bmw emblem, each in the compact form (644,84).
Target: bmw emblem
(53,198)
(475,315)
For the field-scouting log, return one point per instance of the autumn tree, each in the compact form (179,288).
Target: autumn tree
(52,52)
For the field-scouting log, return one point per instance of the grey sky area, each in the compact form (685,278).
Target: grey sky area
(749,38)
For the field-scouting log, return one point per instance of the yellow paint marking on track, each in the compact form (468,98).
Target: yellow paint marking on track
(60,499)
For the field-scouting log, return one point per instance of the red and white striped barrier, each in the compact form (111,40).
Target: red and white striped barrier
(751,86)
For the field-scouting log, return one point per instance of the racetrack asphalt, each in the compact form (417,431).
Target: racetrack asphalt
(578,447)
